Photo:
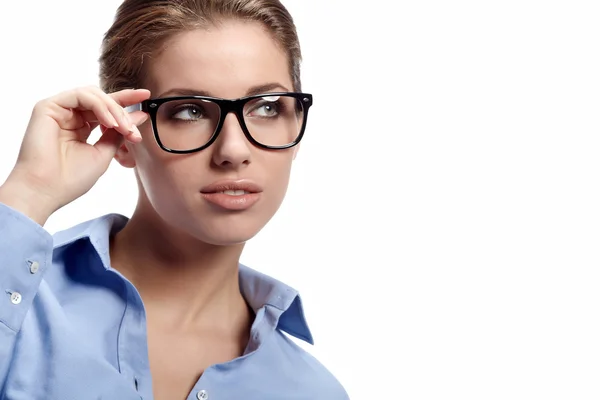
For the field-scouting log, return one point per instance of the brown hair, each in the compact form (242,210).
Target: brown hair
(141,27)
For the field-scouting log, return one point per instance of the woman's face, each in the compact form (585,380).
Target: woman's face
(230,62)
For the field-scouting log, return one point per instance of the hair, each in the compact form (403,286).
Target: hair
(141,27)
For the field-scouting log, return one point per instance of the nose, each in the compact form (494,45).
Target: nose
(231,149)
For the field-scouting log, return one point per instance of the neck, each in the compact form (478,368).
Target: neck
(183,282)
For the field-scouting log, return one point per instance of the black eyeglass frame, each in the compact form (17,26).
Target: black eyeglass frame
(227,106)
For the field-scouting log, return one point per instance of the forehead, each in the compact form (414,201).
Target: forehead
(225,61)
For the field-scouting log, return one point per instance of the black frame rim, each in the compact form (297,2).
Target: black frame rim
(227,106)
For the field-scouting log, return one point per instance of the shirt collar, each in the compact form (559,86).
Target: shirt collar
(258,289)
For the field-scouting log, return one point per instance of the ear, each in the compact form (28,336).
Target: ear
(124,155)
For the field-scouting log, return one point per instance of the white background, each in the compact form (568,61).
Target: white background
(443,218)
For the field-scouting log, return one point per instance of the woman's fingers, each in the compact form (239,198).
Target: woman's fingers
(67,108)
(110,140)
(108,143)
(136,117)
(121,99)
(92,105)
(130,97)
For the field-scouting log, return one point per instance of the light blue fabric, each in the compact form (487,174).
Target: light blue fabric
(73,328)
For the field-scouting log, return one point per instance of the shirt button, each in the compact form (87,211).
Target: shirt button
(15,297)
(34,267)
(202,395)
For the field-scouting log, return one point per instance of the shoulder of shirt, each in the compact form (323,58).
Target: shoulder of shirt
(259,290)
(312,373)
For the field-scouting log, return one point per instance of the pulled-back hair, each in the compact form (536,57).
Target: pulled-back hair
(141,27)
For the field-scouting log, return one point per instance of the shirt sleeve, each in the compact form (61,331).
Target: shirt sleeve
(25,254)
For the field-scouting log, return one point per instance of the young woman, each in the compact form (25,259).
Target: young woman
(157,306)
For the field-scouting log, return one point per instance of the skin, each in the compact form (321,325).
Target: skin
(180,251)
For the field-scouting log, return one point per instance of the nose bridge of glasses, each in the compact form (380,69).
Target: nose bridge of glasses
(235,107)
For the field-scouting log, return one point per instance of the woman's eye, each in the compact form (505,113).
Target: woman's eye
(187,113)
(266,110)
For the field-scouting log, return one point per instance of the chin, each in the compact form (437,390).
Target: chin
(224,230)
(224,235)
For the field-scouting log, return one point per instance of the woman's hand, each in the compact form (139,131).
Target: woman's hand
(55,164)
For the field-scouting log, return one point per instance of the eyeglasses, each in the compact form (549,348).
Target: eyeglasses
(187,124)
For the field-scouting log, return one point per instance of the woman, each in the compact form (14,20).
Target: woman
(158,307)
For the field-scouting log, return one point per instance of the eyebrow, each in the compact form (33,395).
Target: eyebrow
(251,92)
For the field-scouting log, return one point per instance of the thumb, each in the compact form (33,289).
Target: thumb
(108,144)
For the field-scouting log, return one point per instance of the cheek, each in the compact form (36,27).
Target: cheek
(278,169)
(160,172)
(146,130)
(147,154)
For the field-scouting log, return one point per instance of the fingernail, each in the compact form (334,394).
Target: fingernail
(136,132)
(130,126)
(112,120)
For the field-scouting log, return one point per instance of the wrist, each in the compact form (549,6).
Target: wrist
(26,200)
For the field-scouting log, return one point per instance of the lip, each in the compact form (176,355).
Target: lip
(240,184)
(213,194)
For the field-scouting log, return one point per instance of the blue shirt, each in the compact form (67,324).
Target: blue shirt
(73,328)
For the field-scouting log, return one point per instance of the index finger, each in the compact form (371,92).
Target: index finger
(124,98)
(129,97)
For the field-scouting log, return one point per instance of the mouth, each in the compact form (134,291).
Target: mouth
(232,188)
(232,195)
(234,192)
